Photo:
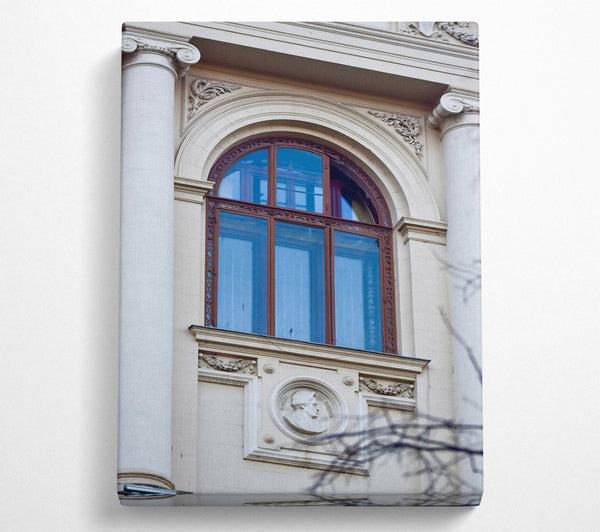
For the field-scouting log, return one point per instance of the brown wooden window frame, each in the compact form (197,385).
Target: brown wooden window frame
(373,198)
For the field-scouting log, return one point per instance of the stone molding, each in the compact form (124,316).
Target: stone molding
(181,53)
(236,344)
(408,127)
(452,104)
(203,90)
(192,190)
(422,231)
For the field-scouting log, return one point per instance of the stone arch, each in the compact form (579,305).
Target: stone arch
(372,145)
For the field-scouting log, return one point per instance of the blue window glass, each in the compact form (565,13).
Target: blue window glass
(299,283)
(357,281)
(242,273)
(246,180)
(299,180)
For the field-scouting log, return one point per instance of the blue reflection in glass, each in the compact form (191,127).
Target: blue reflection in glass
(357,292)
(299,180)
(246,180)
(242,273)
(299,283)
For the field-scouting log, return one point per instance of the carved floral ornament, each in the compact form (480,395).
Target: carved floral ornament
(408,127)
(461,31)
(392,390)
(227,364)
(204,90)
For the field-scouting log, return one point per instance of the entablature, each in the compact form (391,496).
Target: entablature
(409,66)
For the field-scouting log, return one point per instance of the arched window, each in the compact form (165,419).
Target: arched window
(299,247)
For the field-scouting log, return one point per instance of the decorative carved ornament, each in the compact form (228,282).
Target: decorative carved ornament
(407,127)
(455,29)
(221,364)
(184,54)
(392,390)
(204,90)
(453,103)
(440,31)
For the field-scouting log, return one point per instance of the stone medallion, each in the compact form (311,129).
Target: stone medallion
(308,410)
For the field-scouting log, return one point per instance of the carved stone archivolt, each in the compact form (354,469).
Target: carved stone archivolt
(391,390)
(227,364)
(408,127)
(204,90)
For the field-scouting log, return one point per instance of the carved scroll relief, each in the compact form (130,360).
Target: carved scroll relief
(203,90)
(408,127)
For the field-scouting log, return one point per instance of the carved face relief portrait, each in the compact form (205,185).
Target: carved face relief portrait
(308,410)
(305,416)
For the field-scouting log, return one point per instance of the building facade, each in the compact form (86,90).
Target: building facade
(300,256)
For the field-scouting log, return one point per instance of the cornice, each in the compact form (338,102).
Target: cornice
(422,230)
(182,53)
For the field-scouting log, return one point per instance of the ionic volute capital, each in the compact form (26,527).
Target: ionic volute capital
(181,53)
(452,104)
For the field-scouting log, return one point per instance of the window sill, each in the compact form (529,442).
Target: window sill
(225,342)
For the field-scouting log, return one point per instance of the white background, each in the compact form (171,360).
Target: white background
(59,235)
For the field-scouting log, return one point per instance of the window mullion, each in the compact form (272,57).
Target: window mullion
(271,279)
(329,287)
(272,177)
(326,187)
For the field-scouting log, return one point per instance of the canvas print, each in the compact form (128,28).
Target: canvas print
(300,294)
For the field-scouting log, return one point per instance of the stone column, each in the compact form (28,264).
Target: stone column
(151,66)
(457,116)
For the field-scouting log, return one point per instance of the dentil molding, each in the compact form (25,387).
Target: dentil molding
(182,53)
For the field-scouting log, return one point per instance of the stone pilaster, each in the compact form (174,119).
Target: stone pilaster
(150,67)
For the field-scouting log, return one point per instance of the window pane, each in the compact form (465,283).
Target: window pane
(242,273)
(353,208)
(246,180)
(357,292)
(349,201)
(299,180)
(299,283)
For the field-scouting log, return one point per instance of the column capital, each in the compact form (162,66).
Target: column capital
(182,54)
(451,104)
